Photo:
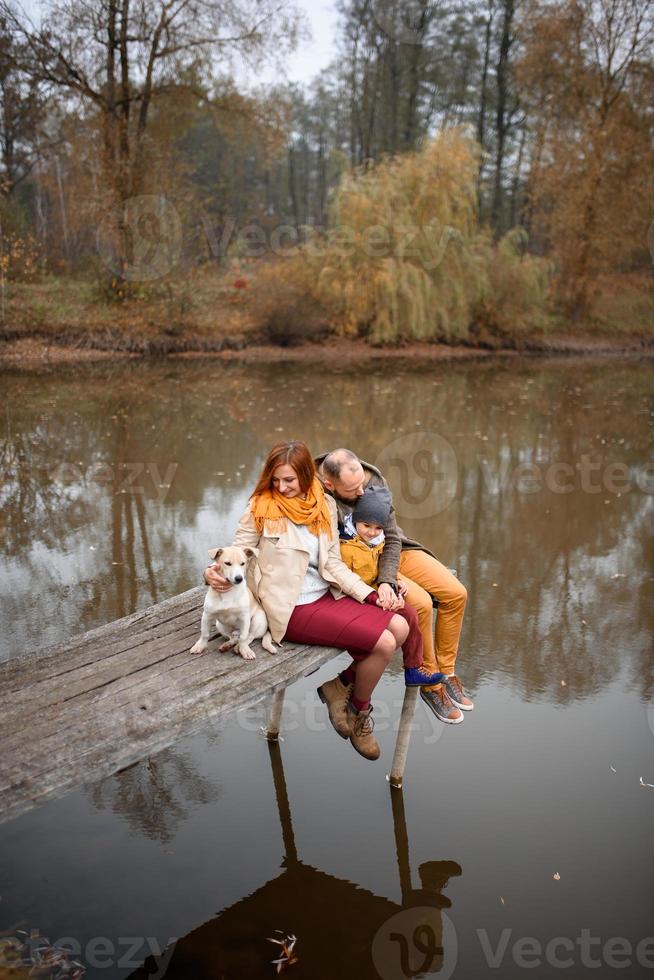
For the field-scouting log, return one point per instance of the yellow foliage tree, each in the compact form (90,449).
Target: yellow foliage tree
(406,260)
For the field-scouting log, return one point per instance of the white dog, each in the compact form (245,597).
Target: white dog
(237,613)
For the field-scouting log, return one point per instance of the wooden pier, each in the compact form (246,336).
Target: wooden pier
(83,710)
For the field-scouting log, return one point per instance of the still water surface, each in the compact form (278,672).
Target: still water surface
(531,478)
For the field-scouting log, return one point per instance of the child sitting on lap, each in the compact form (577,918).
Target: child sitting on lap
(362,542)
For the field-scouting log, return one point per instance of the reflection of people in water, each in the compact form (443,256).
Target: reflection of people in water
(321,910)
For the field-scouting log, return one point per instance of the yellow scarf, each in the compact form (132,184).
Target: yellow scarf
(274,509)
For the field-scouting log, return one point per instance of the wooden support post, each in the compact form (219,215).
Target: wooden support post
(272,731)
(403,737)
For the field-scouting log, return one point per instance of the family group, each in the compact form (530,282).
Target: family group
(333,568)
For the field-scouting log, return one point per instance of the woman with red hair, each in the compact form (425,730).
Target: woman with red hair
(309,595)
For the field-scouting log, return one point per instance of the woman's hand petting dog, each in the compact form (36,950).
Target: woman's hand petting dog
(215,580)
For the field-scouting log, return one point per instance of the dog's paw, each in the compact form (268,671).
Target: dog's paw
(247,653)
(199,647)
(269,646)
(228,645)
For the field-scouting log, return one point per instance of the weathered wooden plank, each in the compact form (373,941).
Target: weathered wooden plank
(44,715)
(80,711)
(67,684)
(161,704)
(100,643)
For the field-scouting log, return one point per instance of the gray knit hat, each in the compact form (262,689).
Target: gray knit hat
(374,507)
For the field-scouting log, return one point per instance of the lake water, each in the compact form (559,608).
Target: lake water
(521,843)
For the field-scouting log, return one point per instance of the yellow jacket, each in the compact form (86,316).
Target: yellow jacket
(362,559)
(278,572)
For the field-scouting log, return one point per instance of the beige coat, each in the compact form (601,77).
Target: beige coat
(277,575)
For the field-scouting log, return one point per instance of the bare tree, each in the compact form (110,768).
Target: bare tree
(115,57)
(21,115)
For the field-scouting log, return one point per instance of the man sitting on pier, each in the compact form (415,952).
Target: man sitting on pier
(345,477)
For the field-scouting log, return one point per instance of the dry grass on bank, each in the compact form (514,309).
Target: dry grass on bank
(199,310)
(623,306)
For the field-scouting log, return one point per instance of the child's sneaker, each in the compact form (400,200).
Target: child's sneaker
(419,677)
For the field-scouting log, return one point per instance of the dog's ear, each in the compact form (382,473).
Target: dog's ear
(215,552)
(251,552)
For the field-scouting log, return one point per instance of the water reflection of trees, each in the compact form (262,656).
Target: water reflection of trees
(155,796)
(551,555)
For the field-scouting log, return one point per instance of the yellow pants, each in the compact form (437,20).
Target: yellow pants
(425,577)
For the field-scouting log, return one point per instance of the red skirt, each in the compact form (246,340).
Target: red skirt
(344,622)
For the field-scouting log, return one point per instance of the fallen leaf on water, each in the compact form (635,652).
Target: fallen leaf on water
(583,622)
(612,769)
(563,684)
(288,957)
(651,785)
(556,876)
(502,899)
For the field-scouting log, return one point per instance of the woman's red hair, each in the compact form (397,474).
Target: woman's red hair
(295,454)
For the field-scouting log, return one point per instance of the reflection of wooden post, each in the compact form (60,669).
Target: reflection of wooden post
(283,805)
(272,731)
(403,737)
(406,720)
(401,845)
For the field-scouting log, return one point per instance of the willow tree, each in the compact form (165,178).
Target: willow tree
(114,58)
(406,259)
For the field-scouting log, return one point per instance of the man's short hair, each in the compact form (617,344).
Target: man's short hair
(334,462)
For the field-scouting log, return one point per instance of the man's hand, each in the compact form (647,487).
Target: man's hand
(214,579)
(387,598)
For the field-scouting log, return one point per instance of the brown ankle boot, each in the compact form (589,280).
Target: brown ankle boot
(361,726)
(335,695)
